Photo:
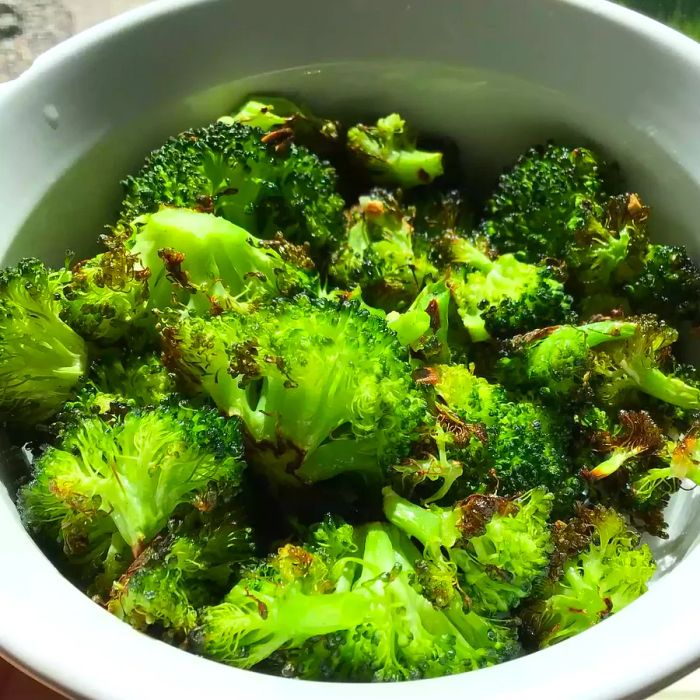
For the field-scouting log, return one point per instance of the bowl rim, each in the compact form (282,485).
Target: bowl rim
(649,668)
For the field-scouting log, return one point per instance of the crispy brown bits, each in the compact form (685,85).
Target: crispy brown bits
(478,509)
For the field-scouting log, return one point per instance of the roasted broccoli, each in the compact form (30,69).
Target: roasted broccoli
(42,359)
(500,296)
(125,478)
(378,253)
(601,569)
(387,151)
(287,122)
(495,548)
(106,297)
(322,388)
(206,263)
(233,171)
(543,201)
(345,607)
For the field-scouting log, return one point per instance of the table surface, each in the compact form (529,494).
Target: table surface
(29,27)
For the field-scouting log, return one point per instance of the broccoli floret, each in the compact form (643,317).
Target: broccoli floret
(42,359)
(608,251)
(106,297)
(348,611)
(287,121)
(668,285)
(594,581)
(378,252)
(387,151)
(612,357)
(128,477)
(229,170)
(516,445)
(501,296)
(322,387)
(207,263)
(423,327)
(495,549)
(540,204)
(178,574)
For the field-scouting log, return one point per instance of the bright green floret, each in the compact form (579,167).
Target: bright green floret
(514,444)
(542,202)
(496,548)
(178,575)
(203,261)
(106,297)
(387,150)
(321,387)
(42,359)
(378,253)
(288,121)
(347,612)
(501,296)
(599,580)
(129,476)
(229,170)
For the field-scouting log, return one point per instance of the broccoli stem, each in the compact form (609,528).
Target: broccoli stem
(654,382)
(416,167)
(612,463)
(429,526)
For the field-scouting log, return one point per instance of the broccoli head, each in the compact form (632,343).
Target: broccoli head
(514,444)
(207,263)
(286,122)
(106,297)
(668,284)
(601,568)
(501,296)
(322,387)
(495,548)
(347,609)
(128,476)
(42,360)
(387,151)
(378,252)
(234,171)
(178,574)
(543,200)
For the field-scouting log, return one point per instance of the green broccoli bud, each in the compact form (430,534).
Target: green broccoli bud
(205,262)
(378,252)
(605,576)
(518,445)
(499,548)
(668,285)
(502,296)
(130,476)
(106,297)
(42,359)
(349,612)
(177,575)
(540,203)
(287,121)
(233,171)
(322,388)
(557,359)
(388,152)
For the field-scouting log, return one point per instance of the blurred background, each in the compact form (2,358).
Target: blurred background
(30,27)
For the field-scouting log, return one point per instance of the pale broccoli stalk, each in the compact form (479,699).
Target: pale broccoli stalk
(388,151)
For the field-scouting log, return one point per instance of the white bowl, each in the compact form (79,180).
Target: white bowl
(496,75)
